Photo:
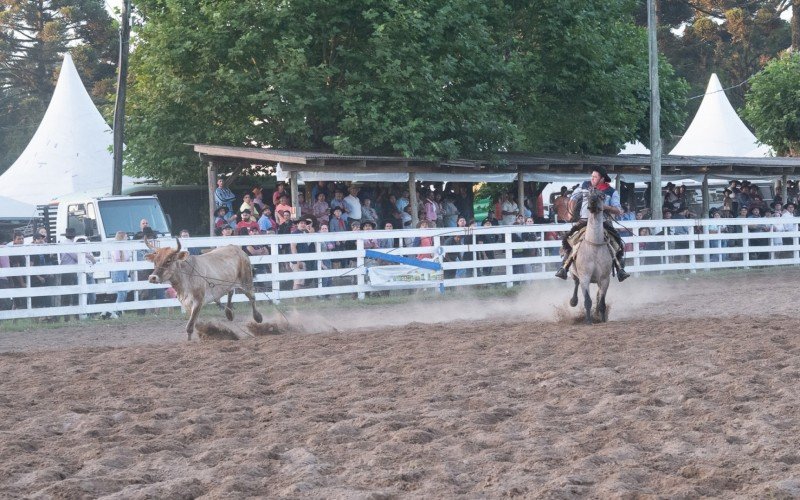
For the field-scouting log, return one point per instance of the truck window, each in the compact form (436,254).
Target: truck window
(76,214)
(125,215)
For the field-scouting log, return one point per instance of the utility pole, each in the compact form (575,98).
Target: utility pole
(655,113)
(119,106)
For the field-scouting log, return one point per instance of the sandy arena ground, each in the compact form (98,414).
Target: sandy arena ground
(691,390)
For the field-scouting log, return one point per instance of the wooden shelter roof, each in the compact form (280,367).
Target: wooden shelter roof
(502,163)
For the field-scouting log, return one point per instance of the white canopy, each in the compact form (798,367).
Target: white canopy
(16,210)
(70,152)
(634,148)
(717,130)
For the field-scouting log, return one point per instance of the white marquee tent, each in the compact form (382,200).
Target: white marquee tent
(717,130)
(70,151)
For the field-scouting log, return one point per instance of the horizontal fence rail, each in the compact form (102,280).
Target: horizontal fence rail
(36,285)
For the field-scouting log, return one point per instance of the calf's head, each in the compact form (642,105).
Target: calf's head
(165,261)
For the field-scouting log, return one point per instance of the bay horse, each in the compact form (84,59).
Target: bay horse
(593,260)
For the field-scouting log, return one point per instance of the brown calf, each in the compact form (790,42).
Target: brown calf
(200,279)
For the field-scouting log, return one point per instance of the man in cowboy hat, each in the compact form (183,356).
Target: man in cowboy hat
(599,180)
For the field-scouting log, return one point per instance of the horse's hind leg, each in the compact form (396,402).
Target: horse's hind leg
(574,300)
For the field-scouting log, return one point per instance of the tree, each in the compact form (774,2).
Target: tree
(732,38)
(459,78)
(773,105)
(33,37)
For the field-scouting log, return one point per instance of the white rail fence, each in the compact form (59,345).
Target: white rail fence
(502,254)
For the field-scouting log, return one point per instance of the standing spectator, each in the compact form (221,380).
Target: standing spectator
(120,275)
(41,280)
(561,206)
(390,212)
(320,187)
(449,212)
(71,259)
(483,238)
(338,201)
(300,248)
(325,264)
(352,204)
(509,209)
(304,206)
(278,193)
(258,199)
(18,261)
(184,234)
(5,281)
(368,214)
(223,195)
(716,228)
(370,243)
(430,209)
(320,209)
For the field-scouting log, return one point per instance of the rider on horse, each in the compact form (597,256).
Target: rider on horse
(600,181)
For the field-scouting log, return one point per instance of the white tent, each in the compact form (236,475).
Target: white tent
(717,130)
(634,148)
(16,210)
(70,152)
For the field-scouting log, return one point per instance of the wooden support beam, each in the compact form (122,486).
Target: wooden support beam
(705,197)
(412,198)
(520,193)
(212,186)
(294,194)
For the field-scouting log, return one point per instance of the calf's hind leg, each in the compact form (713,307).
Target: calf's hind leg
(252,298)
(228,309)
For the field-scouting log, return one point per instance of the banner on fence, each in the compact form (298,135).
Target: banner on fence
(403,275)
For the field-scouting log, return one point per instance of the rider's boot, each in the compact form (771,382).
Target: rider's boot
(562,271)
(622,274)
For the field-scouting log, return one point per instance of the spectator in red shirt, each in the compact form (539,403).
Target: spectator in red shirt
(247,221)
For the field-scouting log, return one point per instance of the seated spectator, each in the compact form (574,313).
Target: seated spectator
(306,209)
(247,221)
(282,209)
(247,204)
(337,222)
(266,222)
(370,243)
(223,217)
(258,199)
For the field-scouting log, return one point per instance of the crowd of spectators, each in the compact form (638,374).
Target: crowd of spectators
(335,207)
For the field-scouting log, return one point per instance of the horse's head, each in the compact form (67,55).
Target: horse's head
(597,201)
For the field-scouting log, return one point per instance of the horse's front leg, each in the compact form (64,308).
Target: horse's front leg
(587,303)
(601,301)
(574,300)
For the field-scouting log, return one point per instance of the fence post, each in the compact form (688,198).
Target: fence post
(745,245)
(275,268)
(509,256)
(360,268)
(82,294)
(692,247)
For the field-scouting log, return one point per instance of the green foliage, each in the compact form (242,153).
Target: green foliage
(444,79)
(773,105)
(33,38)
(732,38)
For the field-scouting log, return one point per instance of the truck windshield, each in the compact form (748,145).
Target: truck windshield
(125,215)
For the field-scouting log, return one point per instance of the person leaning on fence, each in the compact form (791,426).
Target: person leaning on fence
(601,181)
(69,279)
(41,280)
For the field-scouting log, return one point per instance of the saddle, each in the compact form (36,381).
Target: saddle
(576,239)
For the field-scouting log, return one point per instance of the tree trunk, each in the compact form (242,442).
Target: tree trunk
(795,26)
